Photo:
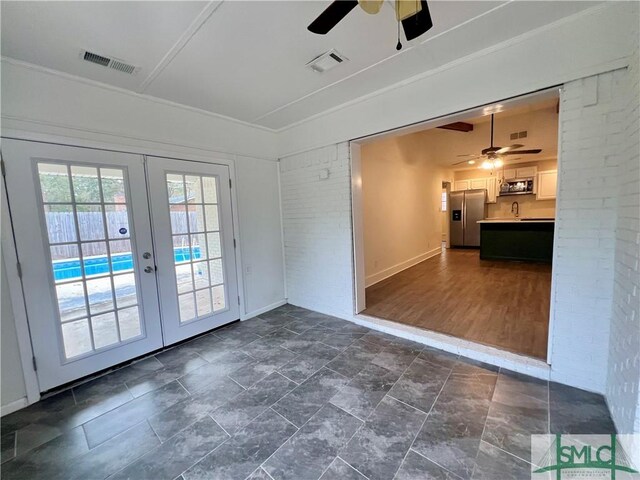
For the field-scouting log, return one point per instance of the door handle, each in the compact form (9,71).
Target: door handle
(146,255)
(148,269)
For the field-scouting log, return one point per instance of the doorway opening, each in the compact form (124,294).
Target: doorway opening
(454,224)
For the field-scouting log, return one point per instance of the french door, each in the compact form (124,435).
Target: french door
(107,278)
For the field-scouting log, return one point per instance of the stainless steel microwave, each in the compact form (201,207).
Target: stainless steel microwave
(521,186)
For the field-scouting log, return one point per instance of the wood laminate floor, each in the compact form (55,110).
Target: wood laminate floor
(499,303)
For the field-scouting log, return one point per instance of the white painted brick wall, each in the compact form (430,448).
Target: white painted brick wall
(592,117)
(623,382)
(317,230)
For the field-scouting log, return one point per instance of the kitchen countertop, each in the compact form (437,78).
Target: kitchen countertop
(518,220)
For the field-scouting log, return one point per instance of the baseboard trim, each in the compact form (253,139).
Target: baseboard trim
(397,268)
(14,406)
(262,310)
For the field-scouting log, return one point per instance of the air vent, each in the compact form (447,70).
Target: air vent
(108,62)
(517,135)
(326,61)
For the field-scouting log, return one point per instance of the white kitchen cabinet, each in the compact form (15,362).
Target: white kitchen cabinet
(492,189)
(461,185)
(547,185)
(526,172)
(477,183)
(509,173)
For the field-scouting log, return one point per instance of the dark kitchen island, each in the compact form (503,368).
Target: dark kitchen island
(523,239)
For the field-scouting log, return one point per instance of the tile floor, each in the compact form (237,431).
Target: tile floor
(295,394)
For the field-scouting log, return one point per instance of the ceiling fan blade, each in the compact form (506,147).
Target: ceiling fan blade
(509,148)
(417,24)
(467,155)
(523,152)
(332,16)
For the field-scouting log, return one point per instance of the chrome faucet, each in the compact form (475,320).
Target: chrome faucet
(515,208)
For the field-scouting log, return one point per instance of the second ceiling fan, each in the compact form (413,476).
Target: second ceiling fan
(492,154)
(413,14)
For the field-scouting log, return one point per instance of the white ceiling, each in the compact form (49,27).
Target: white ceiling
(246,59)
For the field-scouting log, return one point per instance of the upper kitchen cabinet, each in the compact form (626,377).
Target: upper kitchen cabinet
(489,184)
(522,172)
(461,185)
(547,185)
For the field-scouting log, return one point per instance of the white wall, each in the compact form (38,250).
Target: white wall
(13,388)
(317,230)
(588,43)
(401,201)
(623,383)
(51,107)
(260,234)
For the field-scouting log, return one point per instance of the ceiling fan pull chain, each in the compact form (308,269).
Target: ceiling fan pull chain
(399,45)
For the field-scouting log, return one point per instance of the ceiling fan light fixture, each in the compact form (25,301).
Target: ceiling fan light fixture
(371,6)
(498,163)
(407,8)
(487,165)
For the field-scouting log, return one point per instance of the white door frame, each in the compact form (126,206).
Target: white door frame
(8,245)
(355,146)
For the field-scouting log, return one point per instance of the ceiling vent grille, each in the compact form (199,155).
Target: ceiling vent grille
(326,61)
(108,62)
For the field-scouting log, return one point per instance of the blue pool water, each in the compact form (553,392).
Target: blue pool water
(68,269)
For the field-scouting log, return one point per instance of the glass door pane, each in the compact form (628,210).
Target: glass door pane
(89,238)
(194,236)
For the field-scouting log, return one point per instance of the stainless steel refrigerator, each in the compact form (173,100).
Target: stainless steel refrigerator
(466,207)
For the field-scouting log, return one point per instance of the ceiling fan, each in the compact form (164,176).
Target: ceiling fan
(413,14)
(492,154)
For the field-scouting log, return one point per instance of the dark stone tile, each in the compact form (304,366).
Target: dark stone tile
(259,474)
(48,460)
(385,340)
(37,411)
(379,447)
(225,364)
(276,319)
(438,357)
(452,432)
(176,454)
(512,384)
(176,356)
(92,407)
(350,327)
(264,346)
(305,400)
(256,326)
(158,378)
(105,385)
(467,366)
(493,463)
(173,419)
(577,411)
(420,384)
(316,317)
(333,323)
(34,435)
(245,451)
(298,325)
(312,449)
(396,359)
(357,356)
(305,340)
(516,413)
(416,467)
(256,371)
(340,340)
(308,363)
(341,470)
(243,408)
(124,417)
(112,455)
(363,393)
(8,446)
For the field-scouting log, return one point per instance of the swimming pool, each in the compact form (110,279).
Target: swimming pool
(69,269)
